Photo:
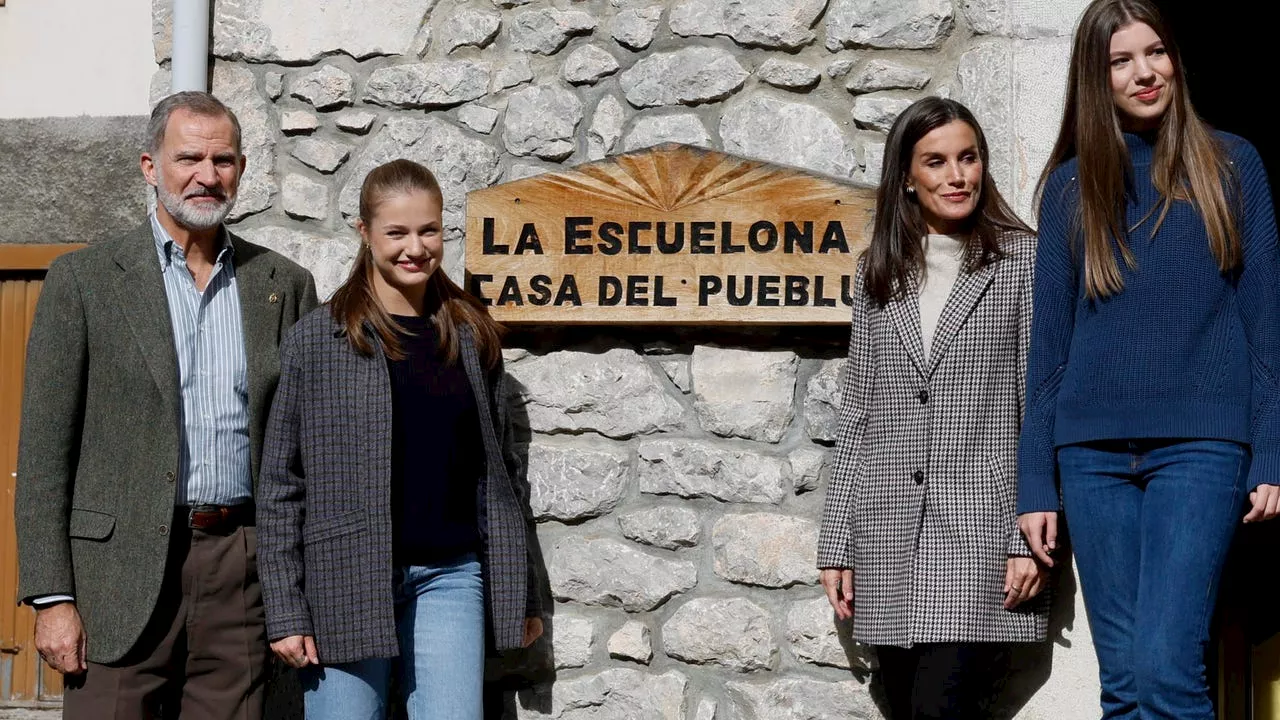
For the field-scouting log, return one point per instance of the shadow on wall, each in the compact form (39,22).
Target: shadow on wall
(521,681)
(524,678)
(1033,662)
(519,670)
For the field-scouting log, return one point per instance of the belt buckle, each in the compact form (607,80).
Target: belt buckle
(201,519)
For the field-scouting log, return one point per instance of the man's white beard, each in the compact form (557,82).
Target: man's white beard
(189,215)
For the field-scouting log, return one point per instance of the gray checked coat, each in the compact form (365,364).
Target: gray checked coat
(324,504)
(921,501)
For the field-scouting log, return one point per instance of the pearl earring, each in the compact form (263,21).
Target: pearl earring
(910,190)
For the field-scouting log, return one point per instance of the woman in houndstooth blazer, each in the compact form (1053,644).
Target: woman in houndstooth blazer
(918,541)
(393,519)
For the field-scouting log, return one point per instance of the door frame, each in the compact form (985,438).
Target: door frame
(33,258)
(40,686)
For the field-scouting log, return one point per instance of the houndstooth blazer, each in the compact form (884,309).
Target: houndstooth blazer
(324,504)
(921,499)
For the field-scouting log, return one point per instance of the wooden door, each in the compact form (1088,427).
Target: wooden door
(24,679)
(1247,657)
(1265,661)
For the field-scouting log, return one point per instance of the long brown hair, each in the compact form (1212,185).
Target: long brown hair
(355,304)
(1189,163)
(895,255)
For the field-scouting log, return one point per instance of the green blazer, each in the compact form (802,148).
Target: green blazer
(99,445)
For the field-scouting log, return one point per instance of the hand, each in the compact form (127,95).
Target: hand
(1024,578)
(296,650)
(60,638)
(1041,531)
(1266,503)
(838,582)
(532,630)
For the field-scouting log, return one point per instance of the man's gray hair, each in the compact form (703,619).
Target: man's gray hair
(193,101)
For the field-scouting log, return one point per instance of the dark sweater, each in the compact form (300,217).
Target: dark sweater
(437,451)
(1183,351)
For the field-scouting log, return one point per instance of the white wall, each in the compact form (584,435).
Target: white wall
(62,58)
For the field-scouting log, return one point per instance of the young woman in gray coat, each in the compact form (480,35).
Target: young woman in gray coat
(392,514)
(918,541)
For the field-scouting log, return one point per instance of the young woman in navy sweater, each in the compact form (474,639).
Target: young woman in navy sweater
(1155,349)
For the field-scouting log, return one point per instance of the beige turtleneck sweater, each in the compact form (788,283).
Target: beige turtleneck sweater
(943,255)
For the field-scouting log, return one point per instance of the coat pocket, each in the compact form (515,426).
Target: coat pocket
(1006,489)
(859,515)
(333,526)
(91,524)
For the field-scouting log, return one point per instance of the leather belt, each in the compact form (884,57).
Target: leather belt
(218,518)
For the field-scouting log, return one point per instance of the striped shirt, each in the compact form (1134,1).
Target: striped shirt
(208,334)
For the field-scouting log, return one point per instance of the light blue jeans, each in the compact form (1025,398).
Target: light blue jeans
(440,620)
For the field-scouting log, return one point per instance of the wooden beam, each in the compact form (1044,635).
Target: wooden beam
(32,257)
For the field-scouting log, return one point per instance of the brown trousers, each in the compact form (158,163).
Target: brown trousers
(203,654)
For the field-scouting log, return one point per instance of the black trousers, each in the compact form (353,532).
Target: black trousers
(942,681)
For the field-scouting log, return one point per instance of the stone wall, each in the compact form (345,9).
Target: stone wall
(72,118)
(677,475)
(70,180)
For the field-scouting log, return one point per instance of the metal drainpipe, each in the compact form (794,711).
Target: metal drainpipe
(190,45)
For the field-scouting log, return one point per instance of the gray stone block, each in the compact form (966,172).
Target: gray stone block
(571,482)
(801,699)
(744,393)
(787,132)
(616,694)
(71,180)
(766,549)
(777,24)
(894,24)
(700,468)
(616,394)
(650,130)
(822,401)
(689,76)
(728,632)
(670,528)
(611,573)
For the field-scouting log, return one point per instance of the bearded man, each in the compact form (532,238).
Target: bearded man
(150,371)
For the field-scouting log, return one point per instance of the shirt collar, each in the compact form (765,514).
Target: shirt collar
(167,249)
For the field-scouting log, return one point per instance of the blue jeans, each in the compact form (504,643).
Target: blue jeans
(1151,522)
(440,620)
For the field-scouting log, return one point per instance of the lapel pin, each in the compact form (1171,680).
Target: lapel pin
(274,298)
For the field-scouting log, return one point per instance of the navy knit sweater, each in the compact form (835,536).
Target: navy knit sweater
(1183,351)
(437,451)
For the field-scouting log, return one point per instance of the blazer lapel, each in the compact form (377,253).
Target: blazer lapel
(261,303)
(904,313)
(964,297)
(470,357)
(139,292)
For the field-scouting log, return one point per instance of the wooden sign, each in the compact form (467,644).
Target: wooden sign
(668,235)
